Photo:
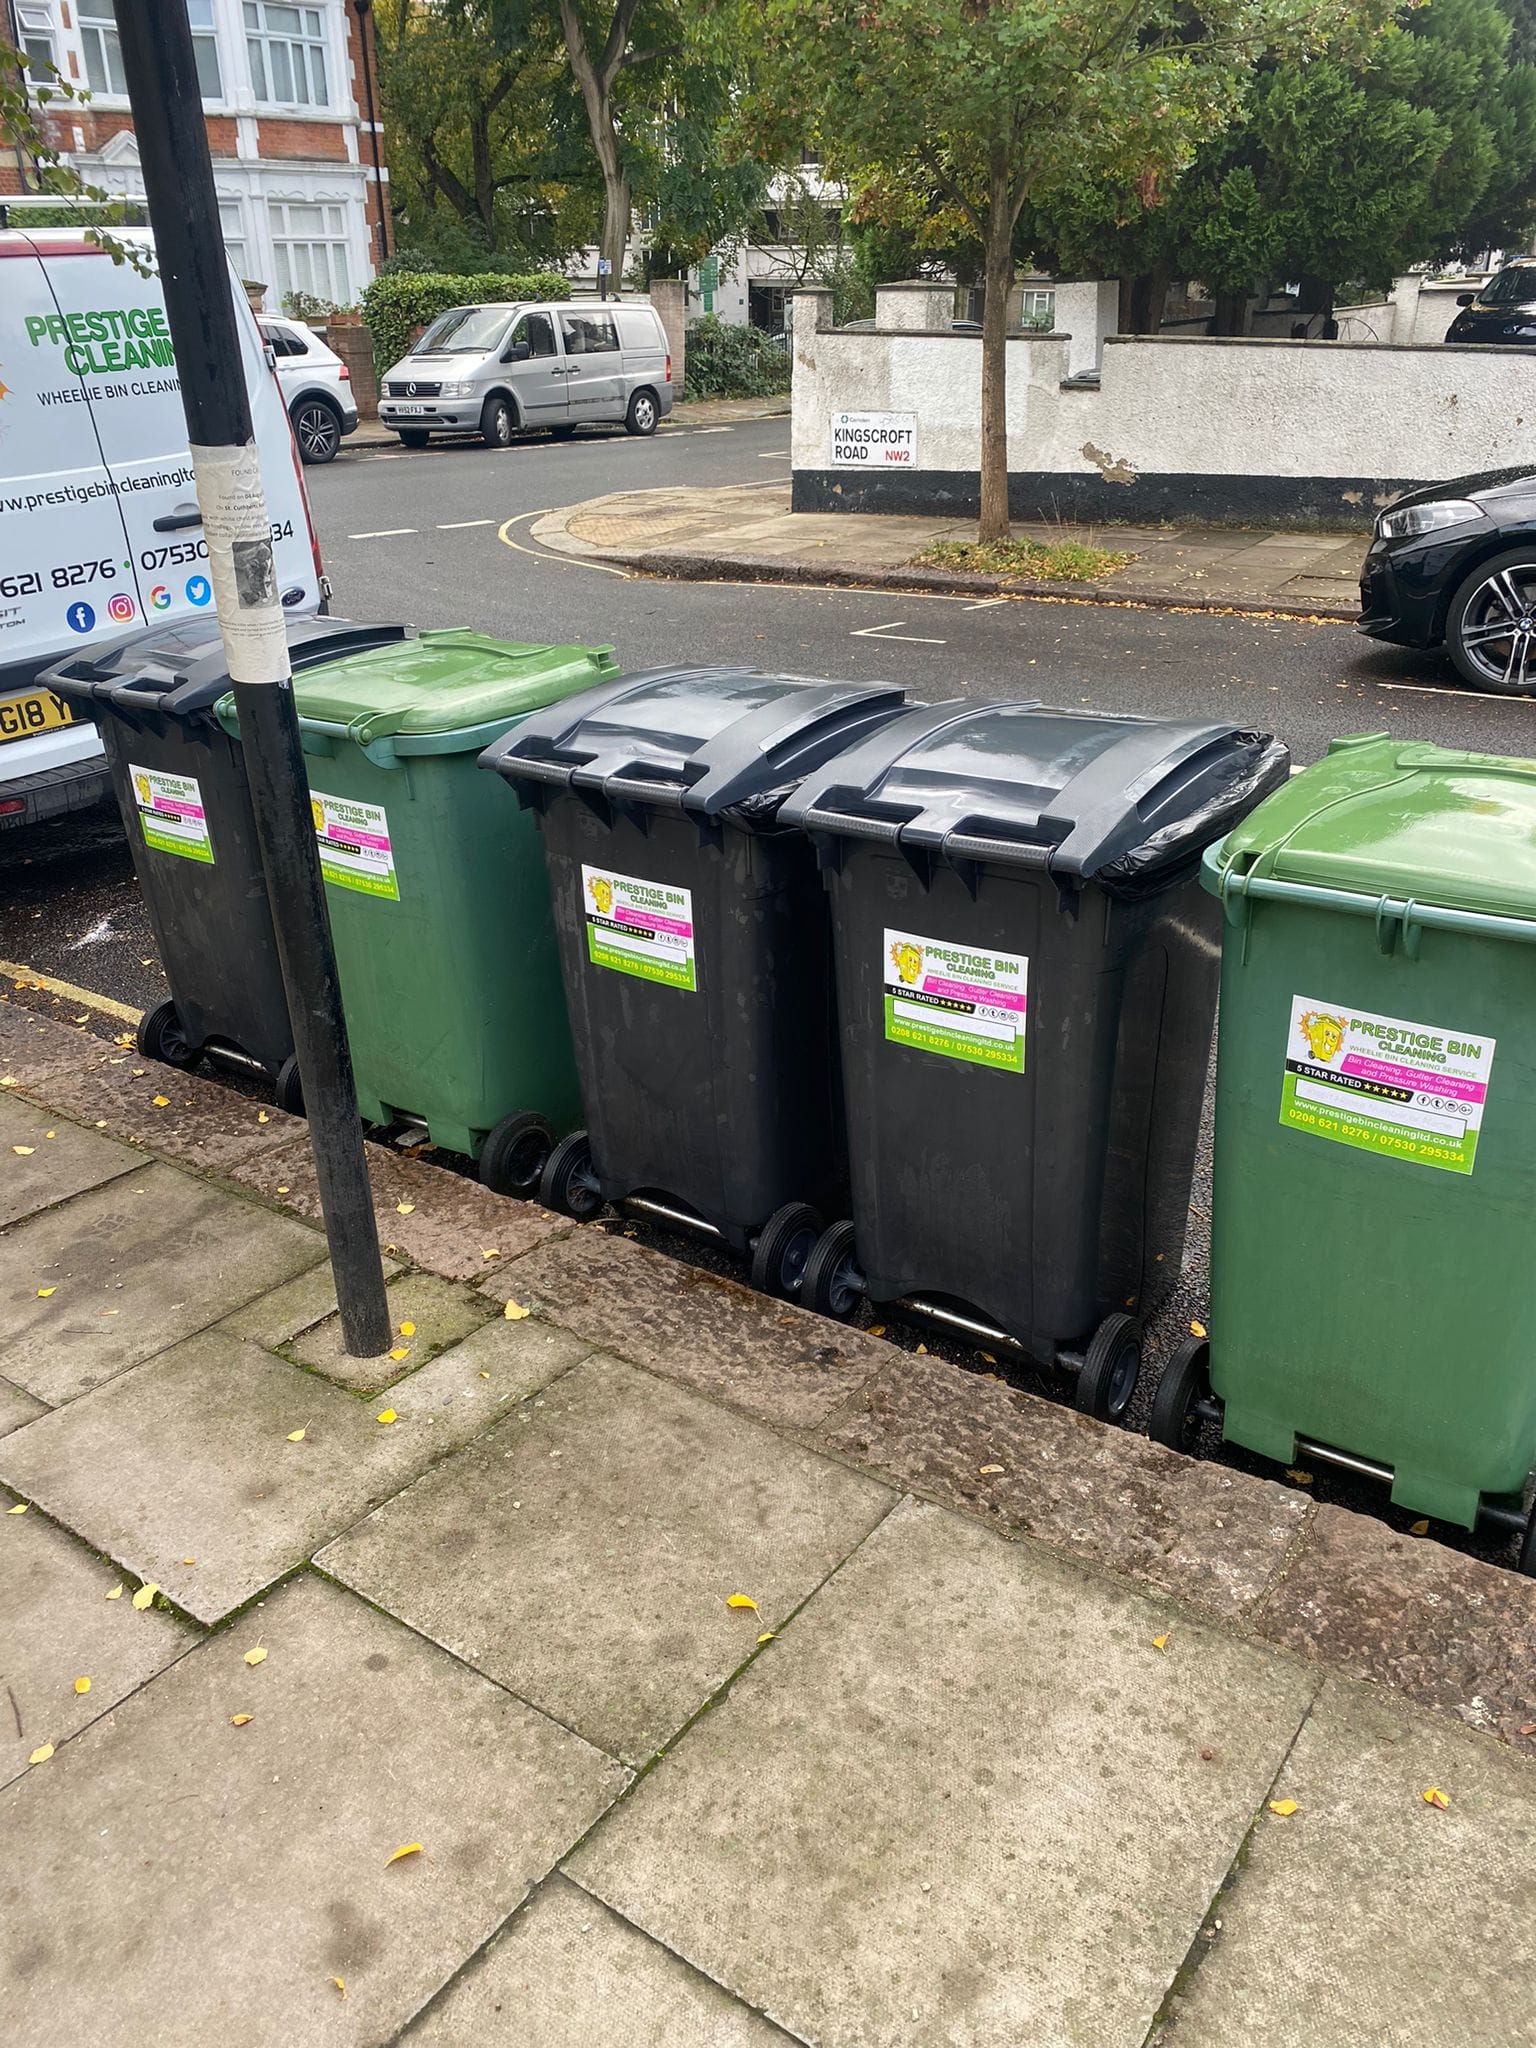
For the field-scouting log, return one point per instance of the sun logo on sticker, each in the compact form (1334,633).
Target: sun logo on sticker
(601,892)
(1324,1033)
(141,785)
(317,812)
(907,959)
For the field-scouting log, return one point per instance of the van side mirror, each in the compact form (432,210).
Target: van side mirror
(1465,298)
(516,352)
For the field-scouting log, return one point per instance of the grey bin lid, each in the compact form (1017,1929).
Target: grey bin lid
(697,740)
(1084,794)
(181,670)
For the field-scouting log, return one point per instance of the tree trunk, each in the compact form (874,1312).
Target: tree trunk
(616,210)
(1231,313)
(596,83)
(485,187)
(997,289)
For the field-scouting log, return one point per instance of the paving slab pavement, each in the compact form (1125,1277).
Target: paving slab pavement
(171,1878)
(278,1317)
(182,1471)
(964,1799)
(583,1553)
(57,1625)
(427,1315)
(131,1268)
(43,1160)
(17,1408)
(568,1973)
(1368,1916)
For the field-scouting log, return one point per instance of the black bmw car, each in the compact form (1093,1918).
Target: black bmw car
(1503,310)
(1454,565)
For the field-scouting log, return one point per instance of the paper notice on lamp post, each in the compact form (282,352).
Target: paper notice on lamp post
(874,440)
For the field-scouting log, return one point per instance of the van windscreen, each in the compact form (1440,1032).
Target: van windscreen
(464,330)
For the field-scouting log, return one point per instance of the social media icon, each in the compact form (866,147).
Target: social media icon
(81,618)
(121,606)
(199,590)
(160,598)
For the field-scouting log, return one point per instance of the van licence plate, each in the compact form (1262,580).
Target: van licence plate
(38,711)
(410,410)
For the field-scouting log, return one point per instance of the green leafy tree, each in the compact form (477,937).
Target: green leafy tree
(993,104)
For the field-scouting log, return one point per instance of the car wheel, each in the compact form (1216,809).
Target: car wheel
(414,437)
(644,415)
(1490,629)
(496,423)
(317,429)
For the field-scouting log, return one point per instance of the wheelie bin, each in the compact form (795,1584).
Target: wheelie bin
(438,901)
(1375,1169)
(1026,981)
(694,941)
(181,786)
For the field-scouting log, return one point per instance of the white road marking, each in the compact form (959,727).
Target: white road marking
(774,455)
(384,533)
(101,929)
(454,525)
(886,633)
(1436,690)
(985,604)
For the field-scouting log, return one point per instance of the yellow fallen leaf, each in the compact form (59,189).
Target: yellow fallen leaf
(24,1151)
(1433,1796)
(162,1102)
(401,1351)
(986,1470)
(145,1595)
(81,1020)
(109,1311)
(189,1560)
(767,1635)
(239,1720)
(922,1350)
(41,1754)
(1159,1642)
(282,1191)
(405,1208)
(1197,1329)
(407,1329)
(82,1685)
(742,1600)
(386,1415)
(405,1849)
(262,1117)
(256,1656)
(489,1252)
(1418,1528)
(50,1134)
(877,1329)
(340,1985)
(116,1593)
(485,1375)
(295,1436)
(7,1080)
(515,1312)
(19,1509)
(1284,1807)
(1301,1478)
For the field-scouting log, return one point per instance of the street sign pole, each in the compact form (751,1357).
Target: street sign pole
(161,70)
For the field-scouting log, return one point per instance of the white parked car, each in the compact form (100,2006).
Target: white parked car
(316,384)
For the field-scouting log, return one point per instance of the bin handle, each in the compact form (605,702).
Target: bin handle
(851,824)
(380,752)
(1382,909)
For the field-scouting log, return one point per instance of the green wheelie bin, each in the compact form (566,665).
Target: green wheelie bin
(438,901)
(1375,1163)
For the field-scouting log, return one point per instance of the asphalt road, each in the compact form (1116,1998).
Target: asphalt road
(441,538)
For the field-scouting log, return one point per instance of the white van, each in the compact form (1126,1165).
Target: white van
(100,534)
(499,370)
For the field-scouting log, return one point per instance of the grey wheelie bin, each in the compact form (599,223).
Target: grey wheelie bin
(1026,984)
(695,948)
(181,786)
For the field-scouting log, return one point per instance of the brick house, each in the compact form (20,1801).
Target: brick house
(291,99)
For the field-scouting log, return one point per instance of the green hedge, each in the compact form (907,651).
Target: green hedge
(733,362)
(396,305)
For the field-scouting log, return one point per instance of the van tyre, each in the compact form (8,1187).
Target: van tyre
(317,429)
(160,1037)
(497,423)
(568,1184)
(515,1154)
(782,1250)
(644,415)
(414,437)
(1186,1380)
(288,1088)
(1107,1378)
(833,1281)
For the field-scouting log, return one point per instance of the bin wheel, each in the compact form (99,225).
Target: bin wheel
(1186,1379)
(515,1154)
(833,1281)
(1107,1377)
(782,1249)
(288,1088)
(1525,1563)
(160,1037)
(568,1184)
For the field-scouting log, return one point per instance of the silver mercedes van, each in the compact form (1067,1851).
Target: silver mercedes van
(497,371)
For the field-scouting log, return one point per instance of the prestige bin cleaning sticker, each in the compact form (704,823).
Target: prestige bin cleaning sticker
(1383,1084)
(955,1000)
(640,928)
(171,813)
(355,852)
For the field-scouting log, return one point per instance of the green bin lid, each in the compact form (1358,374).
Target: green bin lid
(1383,817)
(444,682)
